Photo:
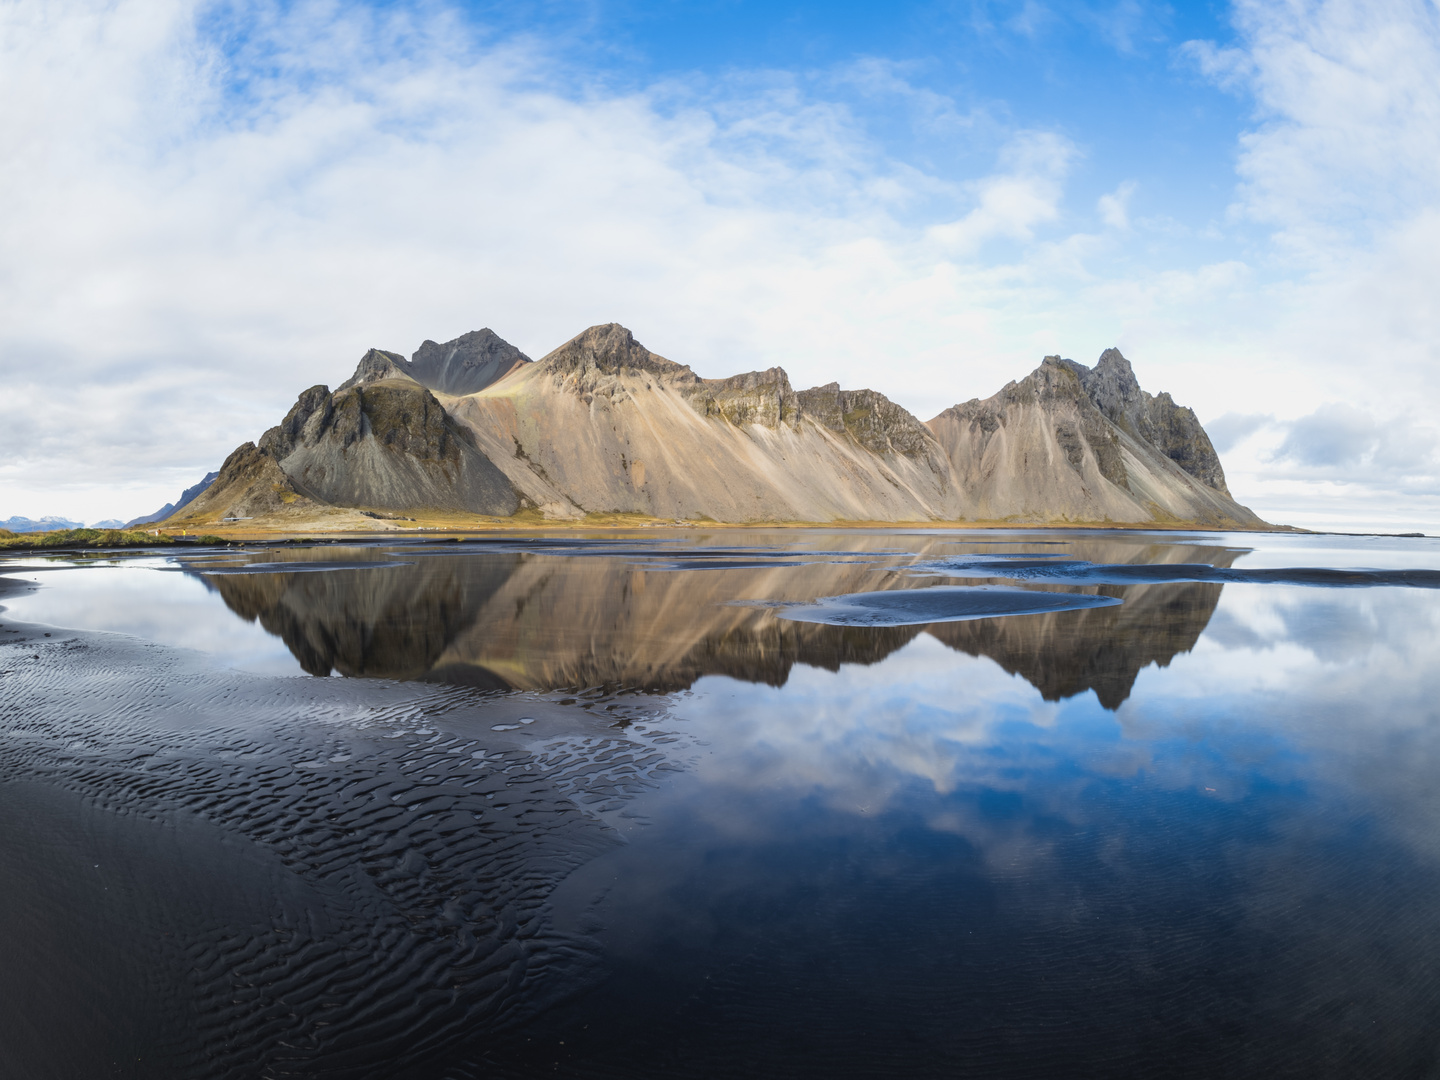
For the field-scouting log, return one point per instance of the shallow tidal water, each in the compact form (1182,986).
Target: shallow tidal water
(741,803)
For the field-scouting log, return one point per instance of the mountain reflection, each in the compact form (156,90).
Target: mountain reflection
(519,620)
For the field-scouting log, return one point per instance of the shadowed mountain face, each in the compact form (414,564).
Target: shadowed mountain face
(464,366)
(549,622)
(381,441)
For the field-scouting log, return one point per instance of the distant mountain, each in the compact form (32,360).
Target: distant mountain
(186,497)
(108,523)
(603,425)
(44,524)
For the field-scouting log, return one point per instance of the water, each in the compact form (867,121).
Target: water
(638,806)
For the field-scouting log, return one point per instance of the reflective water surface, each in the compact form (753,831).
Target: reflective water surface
(637,805)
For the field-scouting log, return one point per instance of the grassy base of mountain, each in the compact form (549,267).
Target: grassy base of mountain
(334,522)
(94,538)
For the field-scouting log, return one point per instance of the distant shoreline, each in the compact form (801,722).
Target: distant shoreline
(452,531)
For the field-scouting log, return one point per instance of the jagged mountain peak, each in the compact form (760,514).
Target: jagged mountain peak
(611,349)
(1110,451)
(1115,390)
(466,365)
(374,366)
(1112,359)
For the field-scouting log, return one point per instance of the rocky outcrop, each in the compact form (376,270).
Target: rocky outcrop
(756,397)
(464,366)
(1075,444)
(1156,421)
(381,442)
(384,443)
(870,419)
(250,484)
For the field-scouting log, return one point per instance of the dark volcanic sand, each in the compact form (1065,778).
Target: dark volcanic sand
(210,873)
(1187,830)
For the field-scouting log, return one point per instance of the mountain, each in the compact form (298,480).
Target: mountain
(381,441)
(109,523)
(186,497)
(1078,444)
(603,425)
(464,366)
(44,524)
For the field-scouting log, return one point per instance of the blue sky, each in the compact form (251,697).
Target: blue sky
(1106,76)
(210,206)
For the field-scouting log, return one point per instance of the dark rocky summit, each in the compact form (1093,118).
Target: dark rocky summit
(611,349)
(464,366)
(1158,421)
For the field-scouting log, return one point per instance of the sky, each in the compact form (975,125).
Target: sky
(207,207)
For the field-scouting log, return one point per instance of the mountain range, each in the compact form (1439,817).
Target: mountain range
(186,497)
(50,524)
(44,524)
(602,425)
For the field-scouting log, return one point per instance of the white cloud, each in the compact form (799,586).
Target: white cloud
(193,236)
(1348,141)
(1229,430)
(1114,208)
(206,209)
(1342,329)
(1337,467)
(1014,202)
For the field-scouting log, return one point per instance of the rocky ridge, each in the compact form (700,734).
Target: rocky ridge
(464,366)
(169,509)
(603,425)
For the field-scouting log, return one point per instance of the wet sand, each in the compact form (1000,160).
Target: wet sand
(815,851)
(210,873)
